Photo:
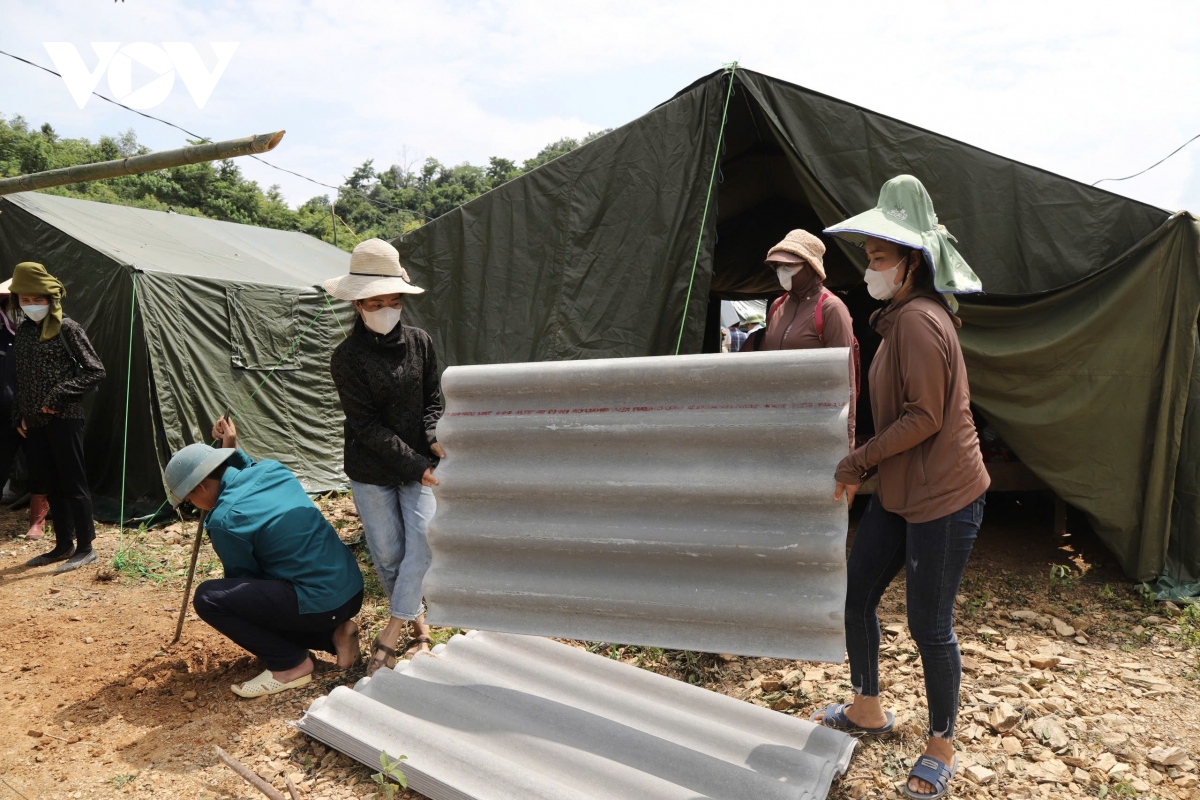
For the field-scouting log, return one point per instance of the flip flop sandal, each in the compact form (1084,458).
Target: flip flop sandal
(933,772)
(388,660)
(834,716)
(416,644)
(266,684)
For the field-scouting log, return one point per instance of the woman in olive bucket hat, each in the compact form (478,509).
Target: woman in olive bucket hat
(929,505)
(386,374)
(56,366)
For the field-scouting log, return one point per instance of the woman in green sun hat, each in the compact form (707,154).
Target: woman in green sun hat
(926,513)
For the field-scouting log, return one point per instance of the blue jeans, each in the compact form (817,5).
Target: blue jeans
(395,520)
(933,555)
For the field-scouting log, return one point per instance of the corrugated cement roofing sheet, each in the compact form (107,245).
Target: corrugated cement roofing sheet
(682,502)
(501,717)
(155,241)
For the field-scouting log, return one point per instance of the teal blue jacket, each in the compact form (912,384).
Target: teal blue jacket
(265,526)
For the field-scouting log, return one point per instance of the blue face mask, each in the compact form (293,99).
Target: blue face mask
(36,313)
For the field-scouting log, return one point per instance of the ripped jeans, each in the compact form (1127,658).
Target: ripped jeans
(933,555)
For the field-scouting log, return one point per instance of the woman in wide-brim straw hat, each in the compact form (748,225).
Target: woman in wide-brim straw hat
(809,315)
(926,513)
(386,374)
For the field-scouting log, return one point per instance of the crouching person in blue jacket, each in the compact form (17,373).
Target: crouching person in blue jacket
(290,584)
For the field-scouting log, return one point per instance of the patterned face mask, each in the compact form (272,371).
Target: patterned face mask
(383,320)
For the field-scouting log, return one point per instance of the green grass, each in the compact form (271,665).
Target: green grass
(120,780)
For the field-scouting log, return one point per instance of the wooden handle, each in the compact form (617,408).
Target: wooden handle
(187,591)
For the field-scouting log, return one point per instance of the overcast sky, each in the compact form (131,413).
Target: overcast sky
(1089,90)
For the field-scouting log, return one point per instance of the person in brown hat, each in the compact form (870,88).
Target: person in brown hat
(809,315)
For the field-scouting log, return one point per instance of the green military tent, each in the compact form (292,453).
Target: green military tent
(220,307)
(1082,354)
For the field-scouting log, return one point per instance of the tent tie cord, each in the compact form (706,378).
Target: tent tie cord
(328,306)
(731,71)
(125,434)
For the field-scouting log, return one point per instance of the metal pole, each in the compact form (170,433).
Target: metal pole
(134,165)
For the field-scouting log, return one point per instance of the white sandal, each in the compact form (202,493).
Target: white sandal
(266,684)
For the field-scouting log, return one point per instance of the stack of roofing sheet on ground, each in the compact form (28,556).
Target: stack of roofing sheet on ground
(503,717)
(682,502)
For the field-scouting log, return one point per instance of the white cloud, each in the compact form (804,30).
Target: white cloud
(1086,89)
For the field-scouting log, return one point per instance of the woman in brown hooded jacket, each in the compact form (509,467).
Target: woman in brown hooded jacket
(927,511)
(809,315)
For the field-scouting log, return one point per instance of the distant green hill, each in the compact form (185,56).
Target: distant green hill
(370,202)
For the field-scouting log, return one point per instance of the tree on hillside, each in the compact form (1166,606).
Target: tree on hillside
(369,202)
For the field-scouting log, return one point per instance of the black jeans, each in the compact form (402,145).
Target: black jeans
(55,455)
(934,555)
(263,616)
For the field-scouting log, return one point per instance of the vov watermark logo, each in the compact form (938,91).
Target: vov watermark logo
(172,58)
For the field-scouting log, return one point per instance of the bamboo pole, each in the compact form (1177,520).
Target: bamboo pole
(134,165)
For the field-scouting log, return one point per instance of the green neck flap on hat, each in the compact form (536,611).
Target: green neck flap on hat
(905,215)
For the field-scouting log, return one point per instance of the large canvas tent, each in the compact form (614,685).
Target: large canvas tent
(1082,355)
(219,306)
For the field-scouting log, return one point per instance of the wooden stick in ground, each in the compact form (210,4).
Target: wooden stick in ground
(248,776)
(187,591)
(292,790)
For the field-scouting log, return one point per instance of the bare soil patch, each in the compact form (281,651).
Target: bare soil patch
(1095,712)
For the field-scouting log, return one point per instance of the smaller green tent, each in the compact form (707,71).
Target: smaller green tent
(220,307)
(1082,354)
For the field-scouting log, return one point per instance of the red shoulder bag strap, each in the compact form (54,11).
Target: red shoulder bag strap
(819,314)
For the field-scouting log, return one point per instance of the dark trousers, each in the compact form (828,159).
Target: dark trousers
(933,555)
(55,455)
(263,616)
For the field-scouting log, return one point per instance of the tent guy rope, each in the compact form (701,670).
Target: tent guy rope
(731,71)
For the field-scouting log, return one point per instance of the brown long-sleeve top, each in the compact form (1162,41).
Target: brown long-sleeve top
(925,444)
(793,325)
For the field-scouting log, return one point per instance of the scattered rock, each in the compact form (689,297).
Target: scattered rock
(1012,745)
(1171,608)
(1043,661)
(1049,732)
(770,685)
(88,640)
(1061,628)
(1023,615)
(1153,620)
(139,684)
(1051,771)
(1105,762)
(1003,718)
(980,774)
(189,695)
(986,631)
(1167,756)
(1081,624)
(783,704)
(791,679)
(35,734)
(1187,782)
(1081,777)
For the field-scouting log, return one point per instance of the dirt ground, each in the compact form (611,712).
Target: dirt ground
(1073,683)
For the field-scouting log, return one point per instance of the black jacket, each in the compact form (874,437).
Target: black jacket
(45,374)
(391,394)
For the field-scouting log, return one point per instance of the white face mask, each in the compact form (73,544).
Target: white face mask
(36,313)
(785,275)
(881,284)
(383,320)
